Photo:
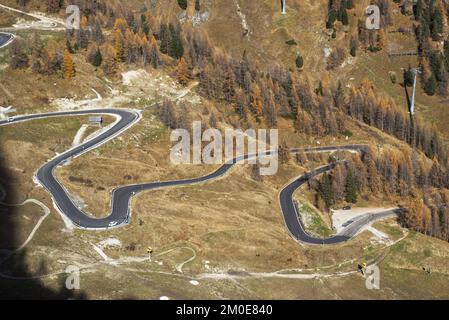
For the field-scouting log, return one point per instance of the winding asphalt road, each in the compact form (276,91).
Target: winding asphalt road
(292,217)
(62,200)
(120,209)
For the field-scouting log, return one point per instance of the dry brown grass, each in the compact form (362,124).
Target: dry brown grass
(234,223)
(26,216)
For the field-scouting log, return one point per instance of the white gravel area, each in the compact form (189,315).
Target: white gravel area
(341,218)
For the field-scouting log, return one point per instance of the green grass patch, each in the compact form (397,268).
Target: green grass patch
(393,231)
(41,131)
(5,57)
(313,222)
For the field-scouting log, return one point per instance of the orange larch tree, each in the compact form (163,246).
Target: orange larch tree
(69,66)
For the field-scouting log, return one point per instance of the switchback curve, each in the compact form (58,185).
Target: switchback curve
(120,209)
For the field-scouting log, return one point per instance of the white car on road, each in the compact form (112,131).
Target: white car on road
(112,224)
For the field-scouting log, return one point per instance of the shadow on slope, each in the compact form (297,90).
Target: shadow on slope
(16,279)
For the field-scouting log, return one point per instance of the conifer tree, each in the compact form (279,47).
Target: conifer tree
(154,53)
(68,66)
(164,36)
(69,47)
(380,39)
(371,169)
(325,190)
(284,152)
(167,114)
(39,55)
(446,54)
(256,103)
(299,61)
(430,86)
(109,64)
(344,17)
(120,25)
(351,188)
(353,46)
(436,26)
(176,47)
(19,59)
(332,17)
(183,4)
(119,46)
(182,72)
(338,183)
(408,77)
(98,58)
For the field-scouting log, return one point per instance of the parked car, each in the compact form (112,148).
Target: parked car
(112,224)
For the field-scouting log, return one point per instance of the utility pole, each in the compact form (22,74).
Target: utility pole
(412,105)
(284,7)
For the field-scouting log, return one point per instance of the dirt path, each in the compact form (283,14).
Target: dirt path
(299,274)
(43,23)
(187,90)
(245,27)
(79,135)
(35,229)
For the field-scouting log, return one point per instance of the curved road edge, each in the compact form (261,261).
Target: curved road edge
(126,118)
(120,213)
(6,38)
(292,217)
